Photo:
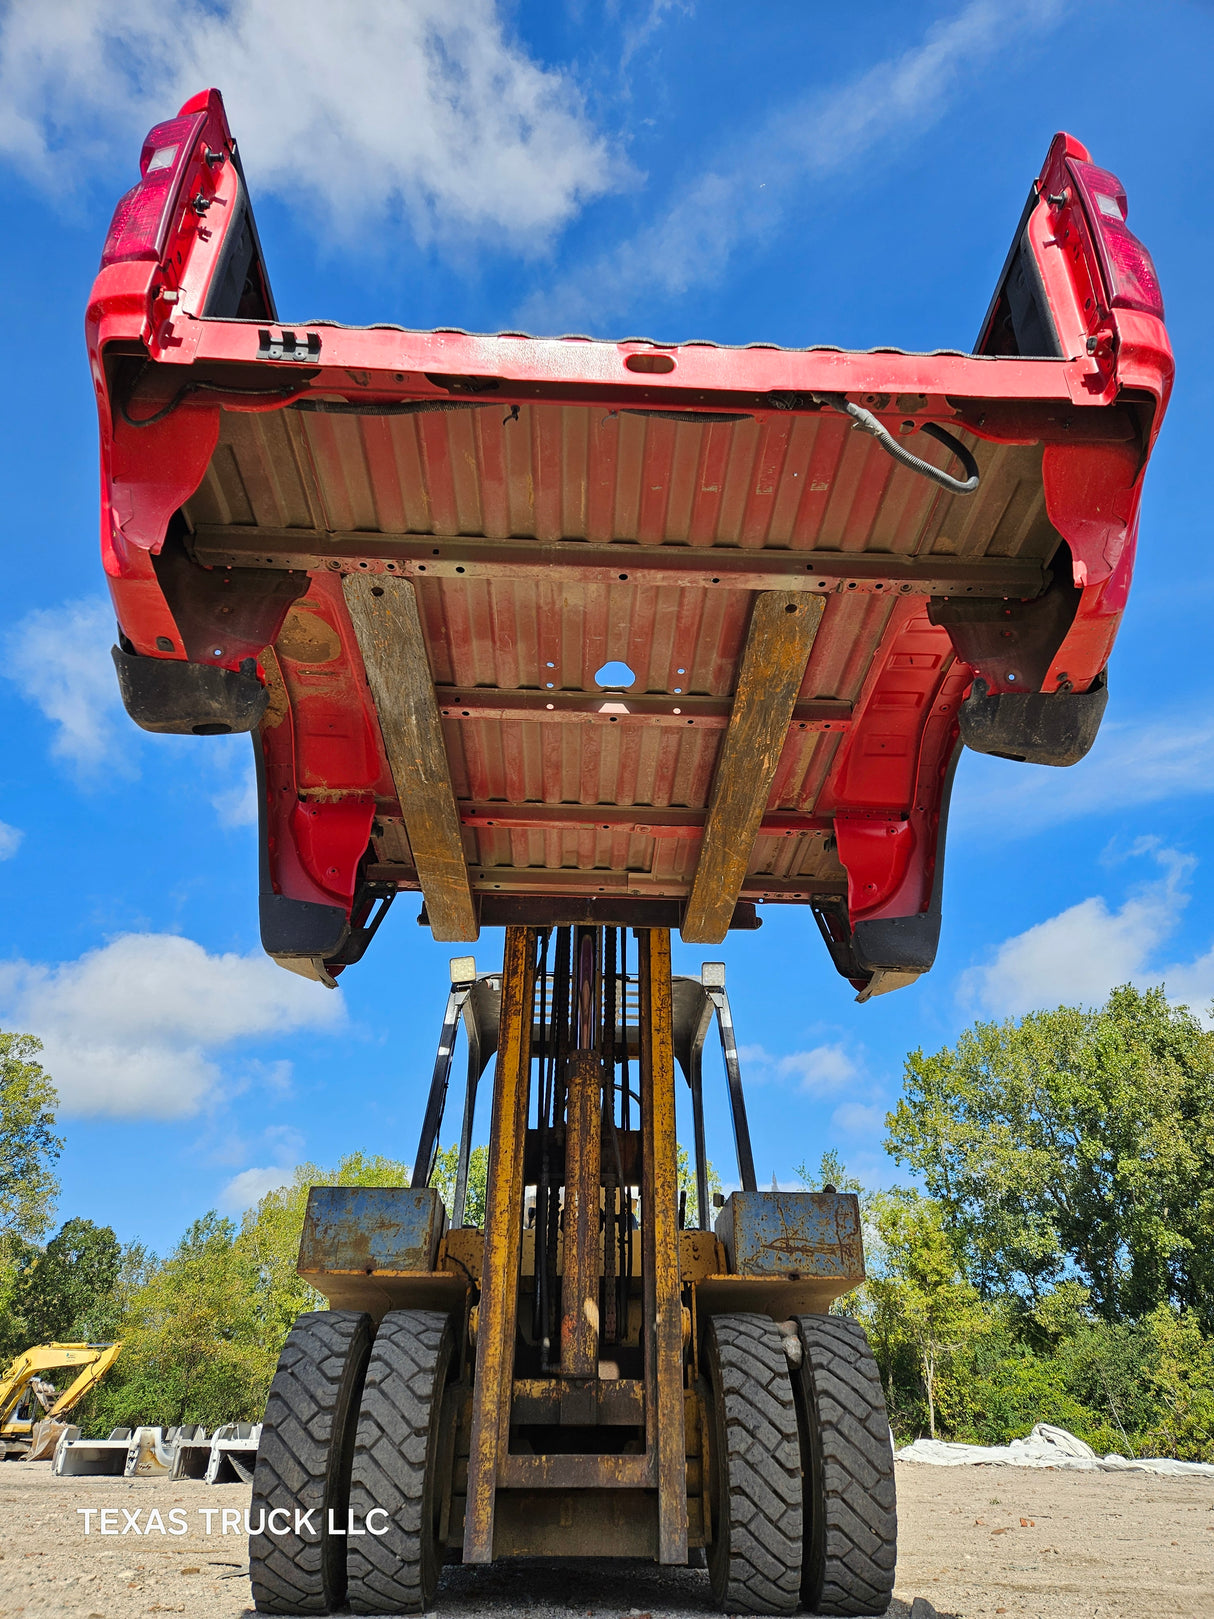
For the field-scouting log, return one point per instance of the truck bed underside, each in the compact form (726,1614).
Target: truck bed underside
(406,560)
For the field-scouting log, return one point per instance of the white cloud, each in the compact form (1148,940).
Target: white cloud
(59,657)
(10,840)
(818,1071)
(248,1188)
(1078,956)
(1131,763)
(639,33)
(354,108)
(133,1029)
(744,197)
(854,1118)
(234,795)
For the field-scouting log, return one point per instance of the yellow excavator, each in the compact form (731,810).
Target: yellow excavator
(28,1399)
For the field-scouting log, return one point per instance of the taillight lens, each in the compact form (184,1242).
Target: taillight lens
(142,218)
(1129,271)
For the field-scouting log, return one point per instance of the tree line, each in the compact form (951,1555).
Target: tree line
(1052,1260)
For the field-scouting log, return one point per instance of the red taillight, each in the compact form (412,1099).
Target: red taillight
(1129,272)
(142,218)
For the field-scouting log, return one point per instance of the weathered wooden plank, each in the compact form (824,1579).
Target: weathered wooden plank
(386,621)
(782,629)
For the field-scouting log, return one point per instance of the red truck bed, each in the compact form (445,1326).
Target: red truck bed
(402,558)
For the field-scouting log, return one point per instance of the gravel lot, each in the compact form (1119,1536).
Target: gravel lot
(974,1541)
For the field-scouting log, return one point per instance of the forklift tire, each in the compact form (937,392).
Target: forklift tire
(303,1464)
(851,1516)
(396,1465)
(754,1560)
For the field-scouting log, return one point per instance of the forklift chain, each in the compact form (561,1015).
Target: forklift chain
(396,1457)
(850,1512)
(755,1558)
(303,1463)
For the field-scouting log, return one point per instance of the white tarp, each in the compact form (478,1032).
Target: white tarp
(1046,1446)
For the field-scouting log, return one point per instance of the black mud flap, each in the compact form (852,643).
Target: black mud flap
(1036,728)
(303,936)
(889,952)
(166,695)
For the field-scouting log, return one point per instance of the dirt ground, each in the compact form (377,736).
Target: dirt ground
(974,1541)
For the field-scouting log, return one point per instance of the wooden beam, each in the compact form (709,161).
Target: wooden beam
(384,613)
(782,629)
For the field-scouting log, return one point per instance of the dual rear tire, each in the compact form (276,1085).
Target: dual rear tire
(352,1425)
(804,1504)
(804,1508)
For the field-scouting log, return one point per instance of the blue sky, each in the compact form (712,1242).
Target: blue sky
(789,173)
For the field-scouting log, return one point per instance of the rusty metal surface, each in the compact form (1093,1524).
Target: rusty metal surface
(572,1472)
(382,1291)
(804,482)
(580,1523)
(793,1234)
(663,1318)
(773,491)
(364,1229)
(700,1254)
(500,1268)
(620,1401)
(583,1246)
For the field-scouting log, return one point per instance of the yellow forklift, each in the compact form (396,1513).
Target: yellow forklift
(601,1371)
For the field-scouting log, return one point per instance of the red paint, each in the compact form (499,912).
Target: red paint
(561,449)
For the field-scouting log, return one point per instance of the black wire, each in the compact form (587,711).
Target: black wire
(183,393)
(395,407)
(292,401)
(868,423)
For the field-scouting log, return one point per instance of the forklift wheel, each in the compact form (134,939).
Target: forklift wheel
(851,1518)
(754,1561)
(303,1463)
(396,1457)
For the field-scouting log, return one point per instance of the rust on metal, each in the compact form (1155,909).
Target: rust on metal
(798,1235)
(663,1317)
(503,1222)
(778,644)
(386,622)
(710,567)
(621,1401)
(563,1471)
(578,1523)
(583,1244)
(629,708)
(370,1228)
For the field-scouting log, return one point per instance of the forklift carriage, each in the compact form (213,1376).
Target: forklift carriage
(590,641)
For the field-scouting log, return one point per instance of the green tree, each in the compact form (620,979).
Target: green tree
(270,1232)
(446,1165)
(194,1340)
(685,1170)
(832,1173)
(28,1144)
(1182,1381)
(1074,1142)
(67,1293)
(917,1296)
